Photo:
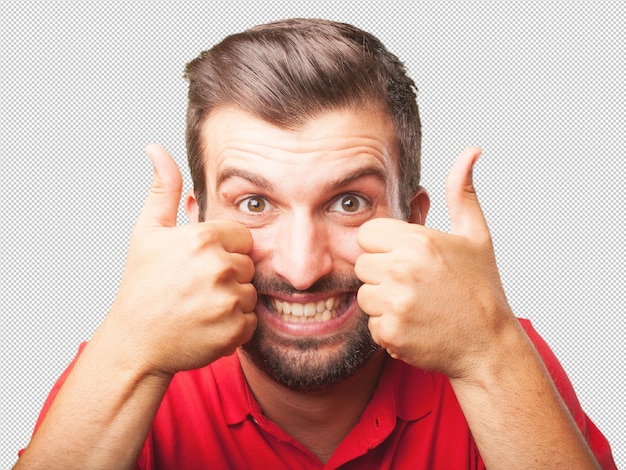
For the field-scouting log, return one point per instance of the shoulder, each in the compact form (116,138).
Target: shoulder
(197,415)
(219,384)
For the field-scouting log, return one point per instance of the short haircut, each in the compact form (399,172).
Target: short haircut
(290,71)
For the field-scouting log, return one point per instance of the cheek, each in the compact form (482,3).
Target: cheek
(344,245)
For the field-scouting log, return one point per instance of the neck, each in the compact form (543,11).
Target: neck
(319,420)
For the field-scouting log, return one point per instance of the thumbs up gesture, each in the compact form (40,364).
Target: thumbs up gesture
(435,299)
(185,297)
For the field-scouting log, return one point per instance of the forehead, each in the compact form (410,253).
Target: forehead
(233,137)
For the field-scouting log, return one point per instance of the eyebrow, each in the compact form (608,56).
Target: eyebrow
(356,174)
(330,186)
(254,178)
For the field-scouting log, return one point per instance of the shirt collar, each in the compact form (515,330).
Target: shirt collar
(234,394)
(403,391)
(412,390)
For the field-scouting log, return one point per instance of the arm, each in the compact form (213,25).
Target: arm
(184,301)
(100,417)
(436,301)
(516,414)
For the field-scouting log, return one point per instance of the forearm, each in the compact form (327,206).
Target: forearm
(185,300)
(102,414)
(516,414)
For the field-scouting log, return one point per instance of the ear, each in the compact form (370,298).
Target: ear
(419,207)
(191,206)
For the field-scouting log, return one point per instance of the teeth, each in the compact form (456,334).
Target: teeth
(297,310)
(323,310)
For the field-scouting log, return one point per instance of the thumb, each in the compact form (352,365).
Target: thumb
(466,216)
(161,206)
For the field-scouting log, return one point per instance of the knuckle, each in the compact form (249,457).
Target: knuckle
(220,269)
(248,298)
(248,327)
(252,296)
(388,332)
(361,298)
(399,268)
(203,235)
(429,246)
(404,301)
(247,268)
(372,325)
(362,294)
(358,265)
(226,303)
(242,328)
(226,270)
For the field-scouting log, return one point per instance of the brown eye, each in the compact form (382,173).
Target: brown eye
(349,203)
(254,204)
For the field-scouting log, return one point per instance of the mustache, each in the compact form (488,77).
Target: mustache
(334,282)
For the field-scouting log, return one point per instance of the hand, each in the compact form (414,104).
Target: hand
(185,298)
(435,300)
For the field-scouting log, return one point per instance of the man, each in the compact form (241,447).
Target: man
(309,319)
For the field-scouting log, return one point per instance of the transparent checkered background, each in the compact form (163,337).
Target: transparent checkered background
(85,85)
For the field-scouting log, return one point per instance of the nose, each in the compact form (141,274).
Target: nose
(302,250)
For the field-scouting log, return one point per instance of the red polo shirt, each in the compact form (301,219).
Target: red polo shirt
(209,419)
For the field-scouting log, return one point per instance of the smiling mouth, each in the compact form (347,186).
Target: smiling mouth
(320,311)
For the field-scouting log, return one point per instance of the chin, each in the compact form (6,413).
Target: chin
(312,363)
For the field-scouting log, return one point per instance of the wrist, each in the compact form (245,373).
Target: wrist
(117,347)
(507,352)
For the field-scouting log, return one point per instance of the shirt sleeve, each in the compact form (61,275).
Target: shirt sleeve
(145,462)
(55,390)
(597,442)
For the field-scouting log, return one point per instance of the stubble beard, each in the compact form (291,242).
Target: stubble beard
(311,364)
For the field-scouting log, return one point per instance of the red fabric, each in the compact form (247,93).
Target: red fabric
(209,418)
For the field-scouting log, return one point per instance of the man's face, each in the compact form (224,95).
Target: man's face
(303,195)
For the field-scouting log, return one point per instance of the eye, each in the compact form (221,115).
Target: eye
(254,204)
(349,203)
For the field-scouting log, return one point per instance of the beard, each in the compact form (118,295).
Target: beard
(311,363)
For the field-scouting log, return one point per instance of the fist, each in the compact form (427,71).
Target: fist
(185,298)
(435,299)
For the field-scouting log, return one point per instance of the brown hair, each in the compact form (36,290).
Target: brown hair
(290,71)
